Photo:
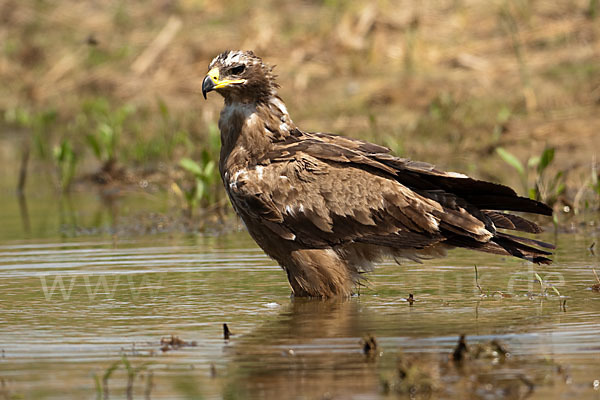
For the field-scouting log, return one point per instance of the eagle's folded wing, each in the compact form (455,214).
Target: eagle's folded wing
(321,194)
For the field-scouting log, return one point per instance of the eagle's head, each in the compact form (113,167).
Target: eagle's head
(240,76)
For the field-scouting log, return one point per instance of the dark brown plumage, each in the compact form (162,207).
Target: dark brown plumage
(325,206)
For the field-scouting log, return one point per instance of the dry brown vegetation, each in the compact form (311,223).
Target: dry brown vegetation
(444,81)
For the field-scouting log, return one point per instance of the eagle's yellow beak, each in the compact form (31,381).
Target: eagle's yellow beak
(212,82)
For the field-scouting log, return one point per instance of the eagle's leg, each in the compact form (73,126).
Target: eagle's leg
(318,273)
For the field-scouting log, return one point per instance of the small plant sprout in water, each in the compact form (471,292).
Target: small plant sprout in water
(65,160)
(482,294)
(102,391)
(596,286)
(107,126)
(102,387)
(203,176)
(545,286)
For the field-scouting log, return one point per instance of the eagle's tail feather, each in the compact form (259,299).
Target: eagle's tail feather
(505,244)
(512,222)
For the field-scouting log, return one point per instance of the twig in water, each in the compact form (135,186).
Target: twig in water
(461,351)
(596,286)
(596,275)
(226,332)
(477,282)
(369,345)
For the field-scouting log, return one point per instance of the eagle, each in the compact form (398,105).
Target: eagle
(327,207)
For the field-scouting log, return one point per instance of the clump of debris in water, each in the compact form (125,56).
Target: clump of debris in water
(470,368)
(174,343)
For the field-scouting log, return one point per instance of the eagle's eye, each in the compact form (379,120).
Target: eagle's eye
(237,69)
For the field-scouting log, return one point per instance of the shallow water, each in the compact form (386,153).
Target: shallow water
(81,288)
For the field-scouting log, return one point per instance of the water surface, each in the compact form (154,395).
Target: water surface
(82,288)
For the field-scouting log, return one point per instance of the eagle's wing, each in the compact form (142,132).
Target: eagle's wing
(326,190)
(322,194)
(320,204)
(417,175)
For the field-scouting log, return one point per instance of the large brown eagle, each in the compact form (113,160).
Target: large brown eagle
(326,207)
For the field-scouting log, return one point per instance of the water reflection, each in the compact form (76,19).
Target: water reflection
(312,350)
(24,213)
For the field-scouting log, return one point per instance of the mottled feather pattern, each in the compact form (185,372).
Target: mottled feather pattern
(326,207)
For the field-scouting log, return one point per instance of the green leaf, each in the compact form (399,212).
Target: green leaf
(126,363)
(41,143)
(511,160)
(546,159)
(98,386)
(533,162)
(214,137)
(503,115)
(94,144)
(122,113)
(164,110)
(64,152)
(205,156)
(110,370)
(107,140)
(190,195)
(191,166)
(46,118)
(57,154)
(209,168)
(539,278)
(200,189)
(533,193)
(19,116)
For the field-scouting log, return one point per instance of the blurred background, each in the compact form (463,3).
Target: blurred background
(106,94)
